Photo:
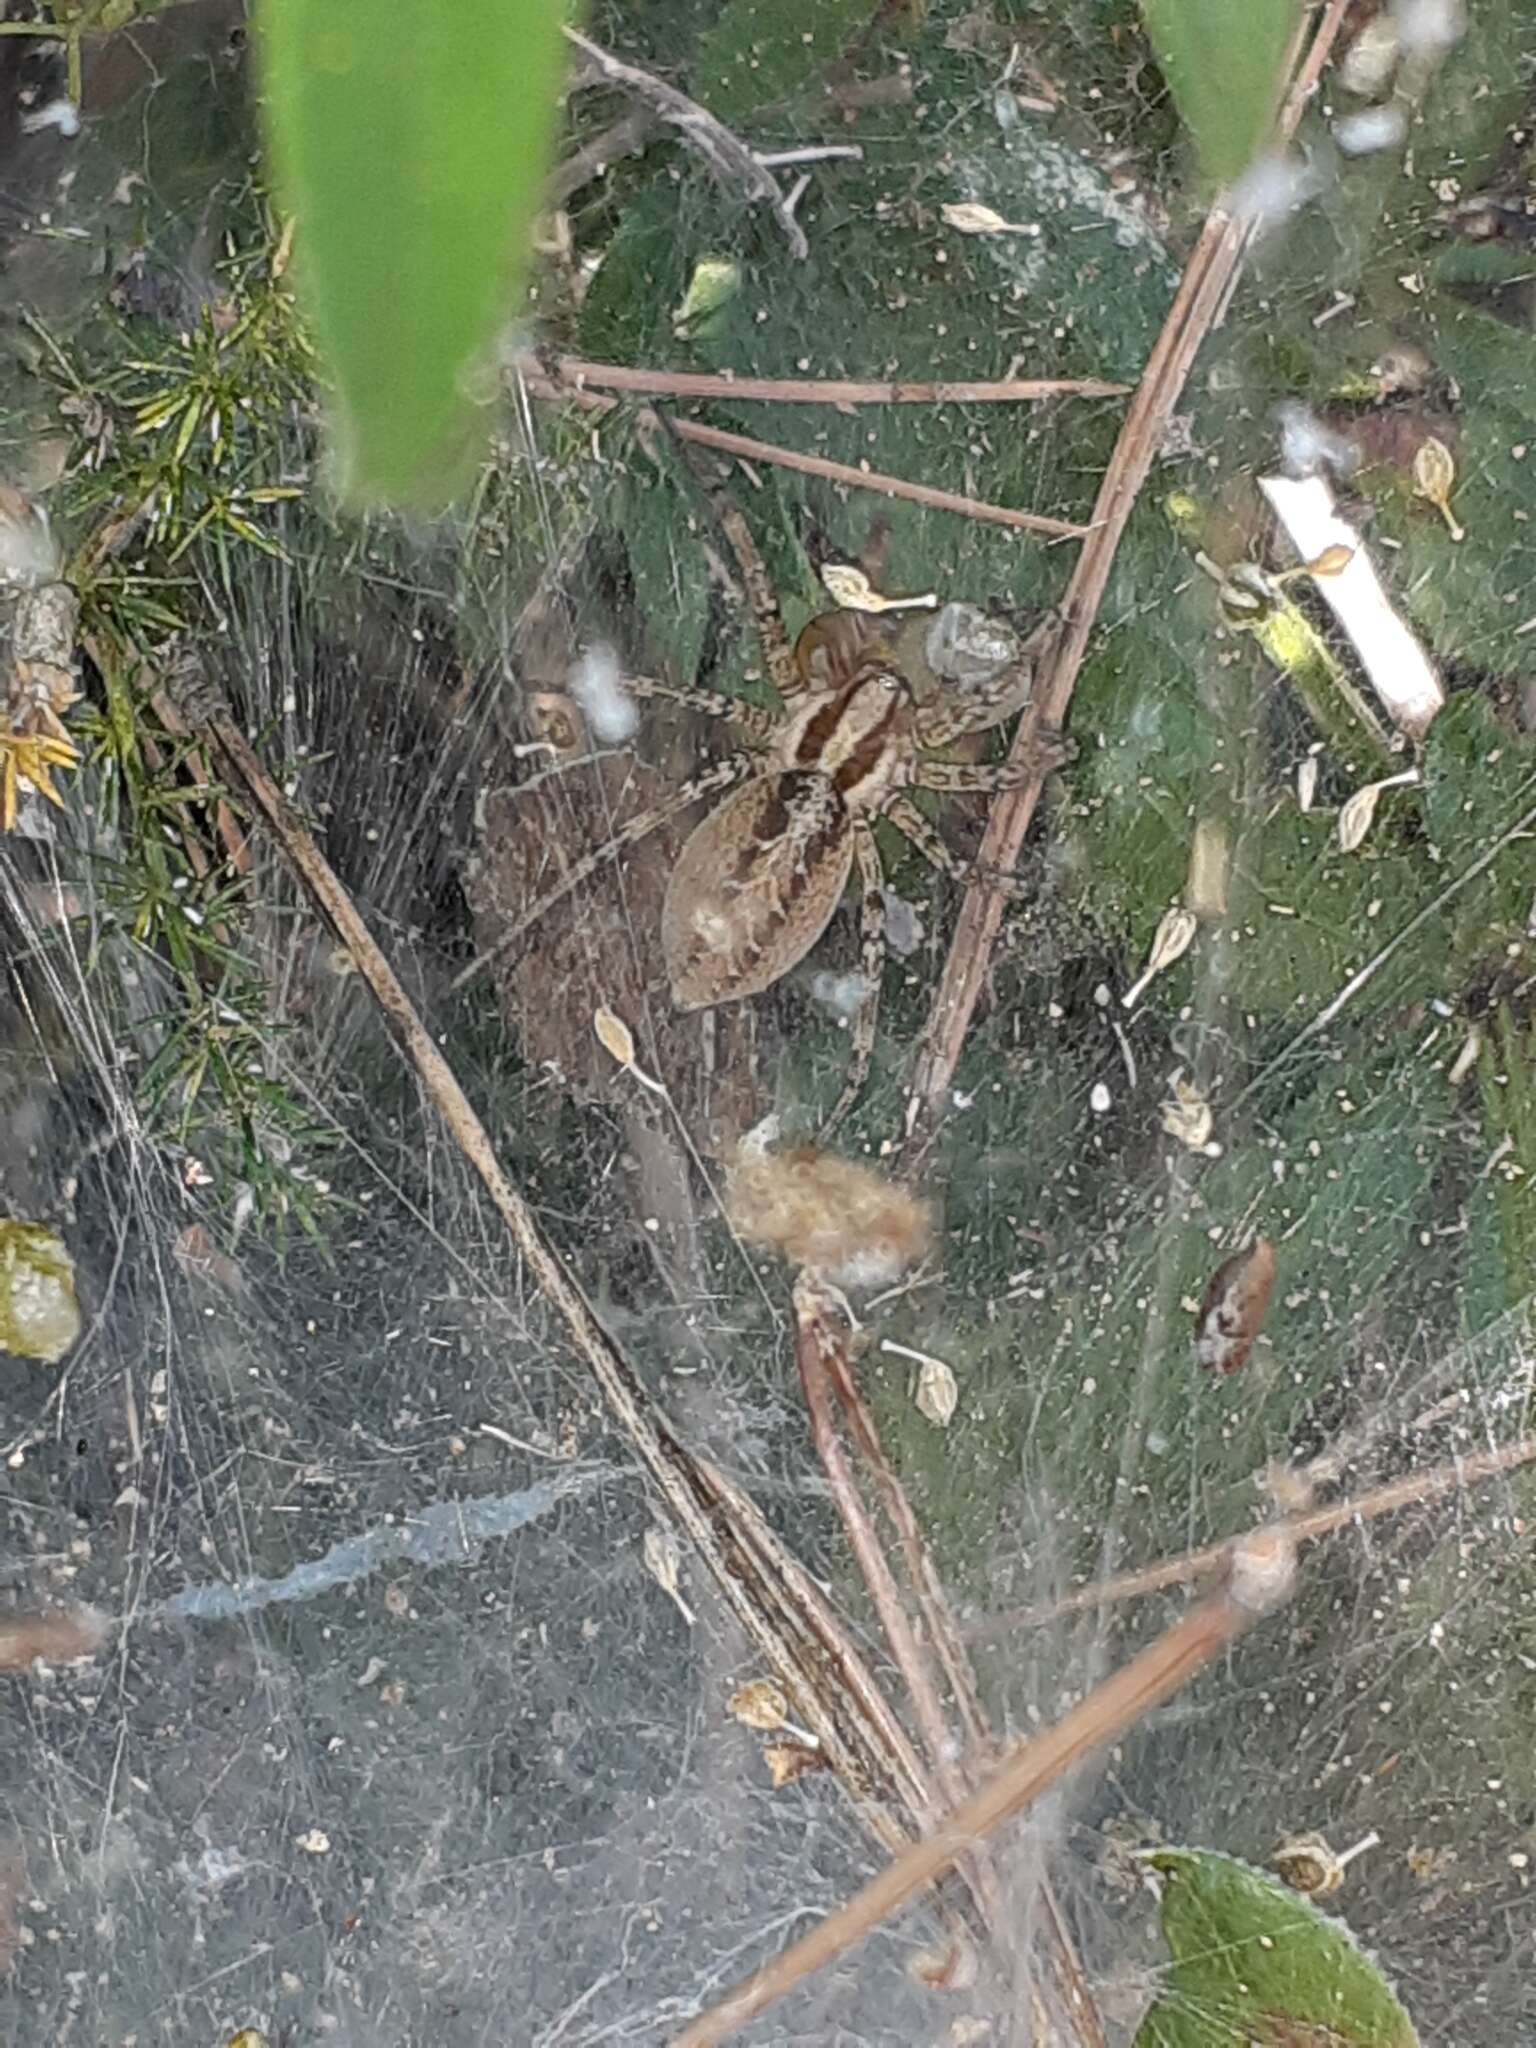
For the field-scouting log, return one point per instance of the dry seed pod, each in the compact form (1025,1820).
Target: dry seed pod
(613,1034)
(1232,1313)
(938,1394)
(1307,1863)
(787,1761)
(971,218)
(1172,939)
(1434,476)
(1356,816)
(1332,561)
(759,1704)
(852,589)
(1187,1116)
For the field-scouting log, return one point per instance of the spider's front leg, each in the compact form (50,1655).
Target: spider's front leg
(871,969)
(751,719)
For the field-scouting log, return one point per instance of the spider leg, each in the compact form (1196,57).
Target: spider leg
(871,968)
(752,719)
(909,821)
(719,775)
(969,778)
(756,581)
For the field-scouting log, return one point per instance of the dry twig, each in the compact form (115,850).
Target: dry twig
(876,480)
(1261,1578)
(1197,307)
(583,375)
(727,156)
(1413,1491)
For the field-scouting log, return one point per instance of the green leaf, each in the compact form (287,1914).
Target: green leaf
(1223,60)
(1256,1962)
(410,139)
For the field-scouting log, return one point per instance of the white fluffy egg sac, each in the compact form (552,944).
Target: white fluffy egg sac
(597,684)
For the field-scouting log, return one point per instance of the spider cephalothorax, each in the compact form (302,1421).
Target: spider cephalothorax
(758,881)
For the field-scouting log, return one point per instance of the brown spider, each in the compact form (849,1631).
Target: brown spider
(759,880)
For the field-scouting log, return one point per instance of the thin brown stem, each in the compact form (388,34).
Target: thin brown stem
(875,480)
(818,1338)
(726,155)
(1262,1577)
(1201,297)
(583,375)
(1413,1491)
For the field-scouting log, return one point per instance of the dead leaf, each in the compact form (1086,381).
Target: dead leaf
(759,1704)
(1232,1313)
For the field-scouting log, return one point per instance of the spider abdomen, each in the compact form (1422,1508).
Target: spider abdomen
(755,887)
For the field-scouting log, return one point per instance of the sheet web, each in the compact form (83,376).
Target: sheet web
(410,1720)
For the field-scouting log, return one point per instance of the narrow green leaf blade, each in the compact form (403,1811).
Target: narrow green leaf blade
(410,139)
(1222,60)
(1254,1961)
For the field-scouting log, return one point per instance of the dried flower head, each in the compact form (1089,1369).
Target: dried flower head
(828,1215)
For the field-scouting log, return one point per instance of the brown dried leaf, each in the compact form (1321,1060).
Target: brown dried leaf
(1232,1313)
(787,1761)
(759,1704)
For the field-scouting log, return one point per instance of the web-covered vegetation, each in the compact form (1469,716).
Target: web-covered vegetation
(487,1789)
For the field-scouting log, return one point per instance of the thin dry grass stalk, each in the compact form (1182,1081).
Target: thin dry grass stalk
(582,375)
(1261,1578)
(876,480)
(1197,307)
(1416,1490)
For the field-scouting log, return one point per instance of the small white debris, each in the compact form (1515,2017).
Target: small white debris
(1099,1099)
(314,1842)
(1372,129)
(1399,670)
(842,994)
(1306,782)
(1430,26)
(1466,1059)
(61,114)
(1307,445)
(597,684)
(1271,190)
(903,926)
